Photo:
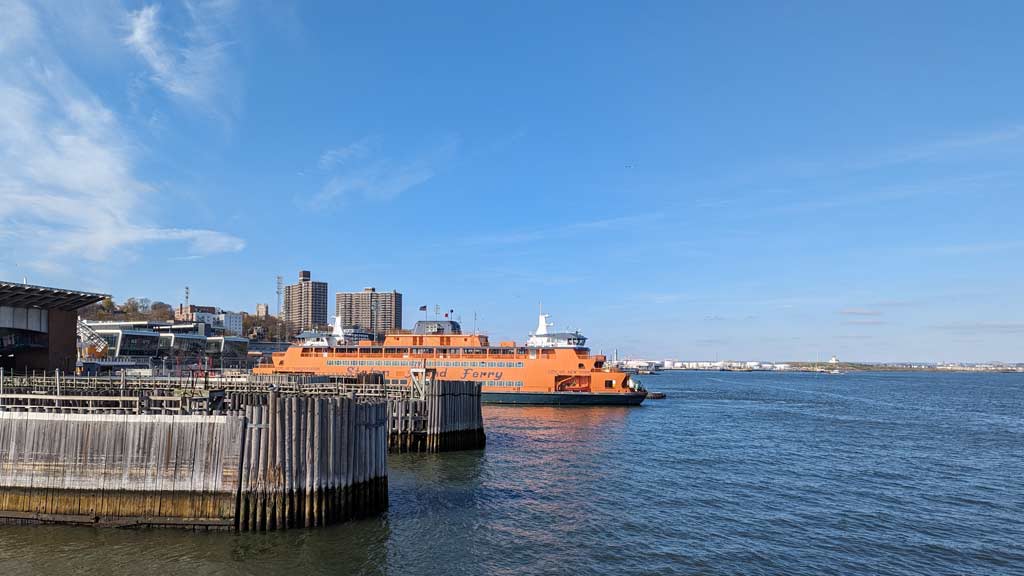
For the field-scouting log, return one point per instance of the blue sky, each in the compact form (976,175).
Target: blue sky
(693,180)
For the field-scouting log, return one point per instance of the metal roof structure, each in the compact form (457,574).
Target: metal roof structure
(28,296)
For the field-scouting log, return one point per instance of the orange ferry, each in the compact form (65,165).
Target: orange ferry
(552,368)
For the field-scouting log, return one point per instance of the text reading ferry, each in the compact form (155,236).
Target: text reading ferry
(552,368)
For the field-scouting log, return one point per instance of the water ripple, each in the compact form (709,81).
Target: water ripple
(893,474)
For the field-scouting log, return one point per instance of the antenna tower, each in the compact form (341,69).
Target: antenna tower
(280,295)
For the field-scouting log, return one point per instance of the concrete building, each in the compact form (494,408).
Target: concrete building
(221,321)
(262,311)
(230,322)
(305,304)
(376,312)
(39,326)
(188,313)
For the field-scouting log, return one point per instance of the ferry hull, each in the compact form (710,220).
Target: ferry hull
(563,398)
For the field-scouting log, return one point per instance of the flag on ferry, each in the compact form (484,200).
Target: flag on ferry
(423,308)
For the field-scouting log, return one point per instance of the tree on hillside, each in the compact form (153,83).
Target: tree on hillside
(268,328)
(161,311)
(132,309)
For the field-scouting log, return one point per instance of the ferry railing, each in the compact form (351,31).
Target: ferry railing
(413,356)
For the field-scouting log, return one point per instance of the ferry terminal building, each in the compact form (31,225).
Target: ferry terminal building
(39,326)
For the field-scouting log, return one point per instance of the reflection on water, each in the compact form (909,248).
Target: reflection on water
(732,474)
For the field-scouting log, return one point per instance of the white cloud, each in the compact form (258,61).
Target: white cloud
(68,188)
(361,169)
(339,156)
(193,64)
(19,24)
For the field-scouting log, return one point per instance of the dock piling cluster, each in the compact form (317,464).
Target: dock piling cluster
(312,461)
(448,418)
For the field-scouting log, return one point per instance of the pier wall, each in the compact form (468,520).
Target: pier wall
(276,461)
(119,470)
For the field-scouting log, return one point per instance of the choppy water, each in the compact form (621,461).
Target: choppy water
(733,474)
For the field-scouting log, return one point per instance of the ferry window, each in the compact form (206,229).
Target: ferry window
(533,354)
(609,383)
(581,365)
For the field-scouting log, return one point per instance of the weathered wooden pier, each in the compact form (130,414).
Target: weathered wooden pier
(246,454)
(153,457)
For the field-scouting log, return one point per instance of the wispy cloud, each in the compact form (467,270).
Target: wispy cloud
(895,193)
(664,297)
(976,162)
(897,303)
(980,247)
(899,155)
(344,154)
(192,64)
(720,318)
(362,169)
(68,188)
(859,312)
(981,328)
(564,230)
(940,147)
(864,322)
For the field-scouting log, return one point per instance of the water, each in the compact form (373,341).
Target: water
(735,473)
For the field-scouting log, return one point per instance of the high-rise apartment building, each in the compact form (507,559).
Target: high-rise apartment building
(377,312)
(305,304)
(262,310)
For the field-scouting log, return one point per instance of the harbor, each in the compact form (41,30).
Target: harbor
(511,288)
(554,483)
